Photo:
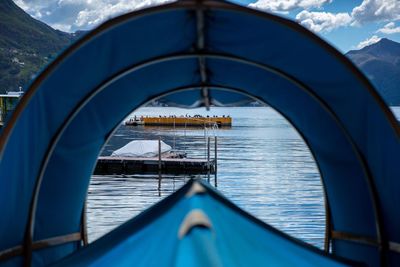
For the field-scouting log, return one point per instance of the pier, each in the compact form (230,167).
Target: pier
(125,165)
(129,165)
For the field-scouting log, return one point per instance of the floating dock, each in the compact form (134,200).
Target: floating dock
(174,121)
(129,165)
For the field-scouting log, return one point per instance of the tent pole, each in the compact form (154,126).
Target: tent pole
(328,224)
(84,235)
(200,47)
(223,57)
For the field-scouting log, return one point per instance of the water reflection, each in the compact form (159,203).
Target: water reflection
(263,166)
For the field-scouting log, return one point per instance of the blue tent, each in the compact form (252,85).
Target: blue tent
(196,226)
(50,145)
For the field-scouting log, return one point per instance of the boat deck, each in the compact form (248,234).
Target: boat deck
(173,121)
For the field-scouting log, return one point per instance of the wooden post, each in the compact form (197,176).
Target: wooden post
(159,153)
(174,135)
(159,184)
(208,157)
(208,149)
(184,138)
(215,153)
(215,162)
(159,166)
(205,141)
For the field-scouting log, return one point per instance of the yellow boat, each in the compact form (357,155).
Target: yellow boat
(197,120)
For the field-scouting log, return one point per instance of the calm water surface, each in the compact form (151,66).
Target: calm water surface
(263,166)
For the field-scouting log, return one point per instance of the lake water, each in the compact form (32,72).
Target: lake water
(263,166)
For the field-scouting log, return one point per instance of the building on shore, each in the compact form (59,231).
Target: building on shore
(8,103)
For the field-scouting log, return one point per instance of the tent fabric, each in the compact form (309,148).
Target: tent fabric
(141,148)
(219,98)
(50,145)
(245,241)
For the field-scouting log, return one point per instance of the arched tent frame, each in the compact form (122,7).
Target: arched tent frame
(364,229)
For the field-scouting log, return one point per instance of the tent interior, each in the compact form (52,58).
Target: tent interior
(197,48)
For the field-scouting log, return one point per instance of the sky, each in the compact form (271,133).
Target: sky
(346,24)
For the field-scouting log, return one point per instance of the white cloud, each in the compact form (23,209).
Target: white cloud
(367,11)
(33,10)
(283,6)
(21,4)
(372,40)
(323,21)
(61,27)
(376,10)
(389,28)
(73,2)
(80,14)
(101,10)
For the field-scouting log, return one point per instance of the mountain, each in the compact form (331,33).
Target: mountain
(380,62)
(26,46)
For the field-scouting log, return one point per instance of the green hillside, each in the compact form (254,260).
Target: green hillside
(26,46)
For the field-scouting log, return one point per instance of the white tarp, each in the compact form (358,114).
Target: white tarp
(141,148)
